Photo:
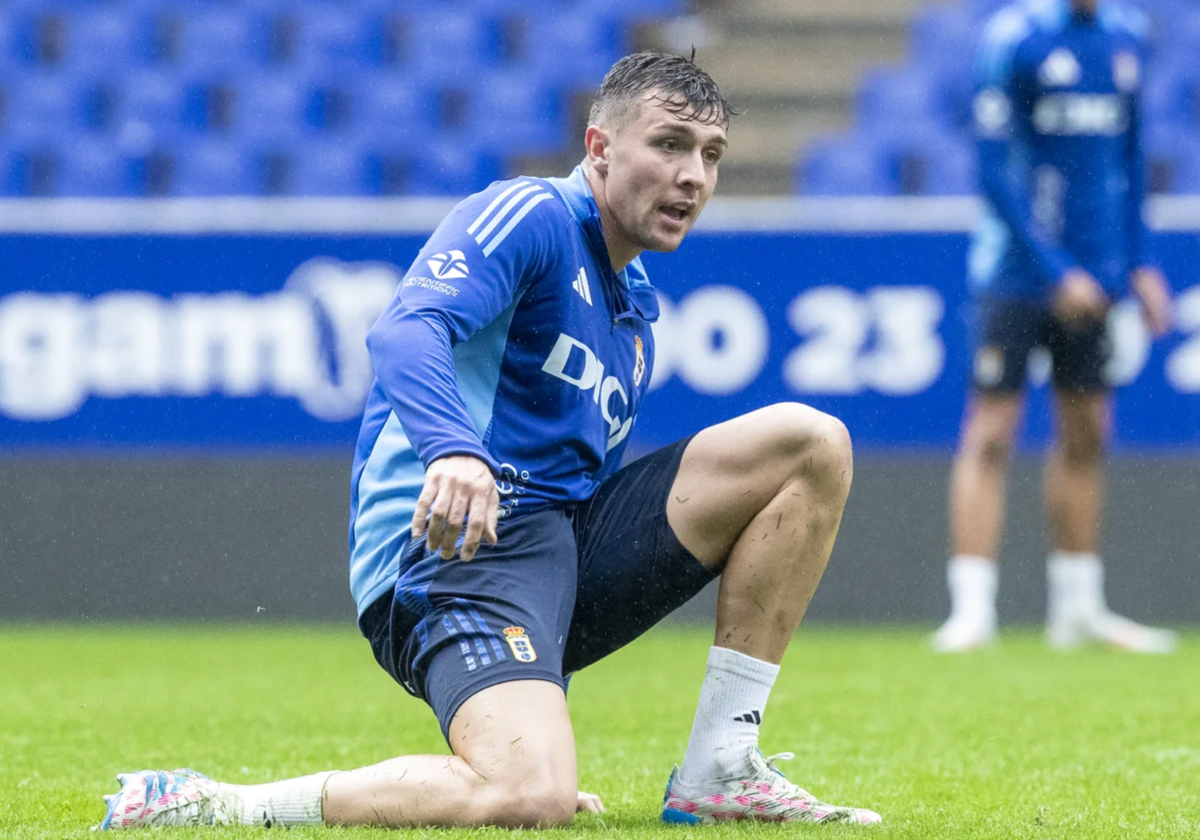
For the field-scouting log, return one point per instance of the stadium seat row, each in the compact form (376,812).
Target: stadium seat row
(927,161)
(436,44)
(509,112)
(911,123)
(215,168)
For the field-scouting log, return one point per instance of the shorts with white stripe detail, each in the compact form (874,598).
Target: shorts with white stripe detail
(561,590)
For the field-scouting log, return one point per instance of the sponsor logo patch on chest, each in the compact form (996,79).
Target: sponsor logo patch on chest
(575,363)
(1060,69)
(1080,114)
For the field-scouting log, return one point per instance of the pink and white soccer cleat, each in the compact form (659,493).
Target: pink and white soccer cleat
(765,794)
(152,798)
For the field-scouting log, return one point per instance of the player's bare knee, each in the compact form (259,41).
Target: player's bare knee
(1083,449)
(819,447)
(990,449)
(532,804)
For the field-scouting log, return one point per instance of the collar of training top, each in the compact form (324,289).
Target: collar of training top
(577,194)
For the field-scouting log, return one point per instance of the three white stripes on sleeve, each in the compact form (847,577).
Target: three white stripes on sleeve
(530,194)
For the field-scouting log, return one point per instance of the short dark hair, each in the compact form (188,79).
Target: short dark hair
(677,82)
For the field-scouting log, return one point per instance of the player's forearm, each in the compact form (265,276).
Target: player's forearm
(1012,206)
(1137,234)
(413,361)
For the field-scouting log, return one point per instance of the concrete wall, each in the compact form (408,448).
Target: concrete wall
(262,538)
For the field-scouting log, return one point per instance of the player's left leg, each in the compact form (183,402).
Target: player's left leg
(1074,494)
(757,499)
(760,497)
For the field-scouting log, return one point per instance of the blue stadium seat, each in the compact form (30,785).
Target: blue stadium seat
(846,165)
(91,167)
(9,54)
(1186,180)
(451,46)
(25,42)
(272,107)
(521,8)
(392,109)
(29,169)
(1178,41)
(1172,94)
(331,38)
(573,49)
(951,168)
(983,9)
(104,39)
(643,9)
(327,168)
(1173,160)
(1166,15)
(151,111)
(889,97)
(439,167)
(944,42)
(445,169)
(928,160)
(44,105)
(69,165)
(941,32)
(514,113)
(220,39)
(212,167)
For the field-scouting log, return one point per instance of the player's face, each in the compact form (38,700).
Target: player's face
(658,172)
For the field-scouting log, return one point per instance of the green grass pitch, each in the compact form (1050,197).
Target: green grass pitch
(1016,742)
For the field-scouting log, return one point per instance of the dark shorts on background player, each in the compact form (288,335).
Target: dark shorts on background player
(1008,329)
(559,591)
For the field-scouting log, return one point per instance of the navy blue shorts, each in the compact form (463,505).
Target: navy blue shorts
(1009,329)
(560,590)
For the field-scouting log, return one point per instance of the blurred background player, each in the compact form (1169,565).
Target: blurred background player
(1057,119)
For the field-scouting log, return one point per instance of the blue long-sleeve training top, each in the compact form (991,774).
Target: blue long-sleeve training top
(510,339)
(1057,117)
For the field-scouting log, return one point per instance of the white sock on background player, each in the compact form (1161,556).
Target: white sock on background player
(733,698)
(972,581)
(286,803)
(1076,611)
(1074,589)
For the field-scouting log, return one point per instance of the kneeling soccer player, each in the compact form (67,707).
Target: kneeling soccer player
(509,369)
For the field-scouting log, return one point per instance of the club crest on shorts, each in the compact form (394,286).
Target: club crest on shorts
(639,366)
(522,648)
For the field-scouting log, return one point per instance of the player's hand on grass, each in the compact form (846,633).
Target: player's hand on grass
(1150,288)
(1080,297)
(588,802)
(457,488)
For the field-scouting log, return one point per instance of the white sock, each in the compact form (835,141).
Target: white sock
(733,699)
(1074,584)
(286,803)
(972,580)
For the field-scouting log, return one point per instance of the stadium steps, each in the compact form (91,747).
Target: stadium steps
(792,67)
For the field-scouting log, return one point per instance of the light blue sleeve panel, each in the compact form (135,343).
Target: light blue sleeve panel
(999,90)
(1132,27)
(437,348)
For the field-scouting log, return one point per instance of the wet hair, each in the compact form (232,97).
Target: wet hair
(677,82)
